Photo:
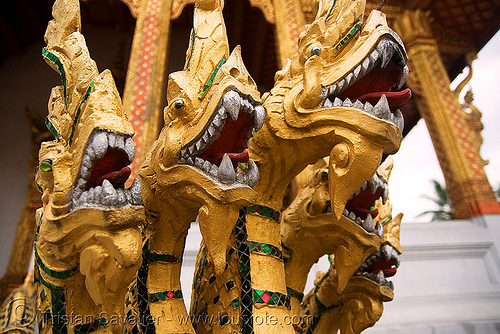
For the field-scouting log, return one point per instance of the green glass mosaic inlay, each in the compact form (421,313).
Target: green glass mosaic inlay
(209,82)
(294,293)
(158,296)
(52,57)
(51,128)
(193,39)
(264,211)
(330,11)
(272,298)
(267,249)
(348,36)
(77,116)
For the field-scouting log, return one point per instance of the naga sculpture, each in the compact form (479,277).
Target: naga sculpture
(199,166)
(337,96)
(88,241)
(308,226)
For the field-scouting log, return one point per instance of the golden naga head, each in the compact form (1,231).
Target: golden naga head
(89,223)
(213,109)
(344,83)
(87,165)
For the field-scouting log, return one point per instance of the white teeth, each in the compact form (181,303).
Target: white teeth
(328,103)
(386,50)
(399,120)
(379,230)
(100,144)
(347,103)
(357,71)
(349,78)
(253,173)
(206,167)
(368,223)
(403,78)
(366,64)
(213,172)
(385,195)
(232,103)
(337,102)
(358,105)
(352,216)
(391,285)
(382,109)
(368,107)
(198,162)
(129,148)
(373,185)
(135,192)
(374,55)
(346,213)
(111,140)
(260,115)
(110,197)
(332,90)
(226,172)
(340,85)
(380,278)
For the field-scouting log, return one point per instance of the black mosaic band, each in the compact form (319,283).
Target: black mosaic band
(165,295)
(246,298)
(147,326)
(264,211)
(151,257)
(266,249)
(272,298)
(294,293)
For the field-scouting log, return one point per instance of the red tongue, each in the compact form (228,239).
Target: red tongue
(395,99)
(387,268)
(361,205)
(117,178)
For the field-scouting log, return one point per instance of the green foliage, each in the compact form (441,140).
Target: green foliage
(442,200)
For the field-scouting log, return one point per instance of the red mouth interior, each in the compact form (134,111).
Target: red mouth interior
(377,82)
(232,140)
(112,167)
(388,267)
(362,205)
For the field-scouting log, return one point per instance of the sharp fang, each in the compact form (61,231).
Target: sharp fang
(374,56)
(206,167)
(259,117)
(379,230)
(232,104)
(328,103)
(213,171)
(382,109)
(110,197)
(337,102)
(403,77)
(368,223)
(135,192)
(380,278)
(100,144)
(129,148)
(340,85)
(253,174)
(366,65)
(399,120)
(373,185)
(226,172)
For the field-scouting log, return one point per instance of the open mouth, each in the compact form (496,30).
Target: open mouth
(104,171)
(380,266)
(221,150)
(360,207)
(374,84)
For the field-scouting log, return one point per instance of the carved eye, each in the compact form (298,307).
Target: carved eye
(315,51)
(179,104)
(46,165)
(324,175)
